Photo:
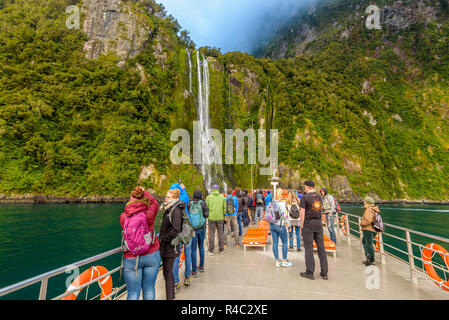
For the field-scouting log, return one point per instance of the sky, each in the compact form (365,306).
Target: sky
(232,25)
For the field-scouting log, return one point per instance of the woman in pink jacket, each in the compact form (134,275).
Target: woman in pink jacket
(140,272)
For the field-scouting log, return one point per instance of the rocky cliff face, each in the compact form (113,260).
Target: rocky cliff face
(112,25)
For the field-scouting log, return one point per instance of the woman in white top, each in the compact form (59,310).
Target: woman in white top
(292,204)
(279,230)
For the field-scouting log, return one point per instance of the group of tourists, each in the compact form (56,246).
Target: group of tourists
(185,220)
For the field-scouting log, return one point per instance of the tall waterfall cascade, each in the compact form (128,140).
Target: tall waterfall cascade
(210,165)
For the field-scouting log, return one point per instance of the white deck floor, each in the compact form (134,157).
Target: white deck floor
(237,275)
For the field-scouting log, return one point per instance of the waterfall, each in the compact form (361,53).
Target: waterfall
(210,168)
(190,70)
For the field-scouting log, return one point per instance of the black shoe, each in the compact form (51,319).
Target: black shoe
(325,277)
(299,250)
(308,276)
(367,262)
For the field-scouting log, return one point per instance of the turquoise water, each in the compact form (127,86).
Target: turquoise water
(38,238)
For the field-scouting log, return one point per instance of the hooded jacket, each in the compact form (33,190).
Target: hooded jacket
(328,201)
(197,196)
(369,217)
(216,204)
(183,196)
(150,213)
(169,231)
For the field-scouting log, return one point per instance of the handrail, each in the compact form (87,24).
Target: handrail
(44,277)
(409,243)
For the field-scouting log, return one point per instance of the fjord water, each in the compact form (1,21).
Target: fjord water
(39,238)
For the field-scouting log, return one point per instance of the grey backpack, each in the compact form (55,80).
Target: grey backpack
(187,230)
(378,224)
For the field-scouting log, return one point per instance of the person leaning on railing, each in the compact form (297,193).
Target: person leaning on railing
(369,233)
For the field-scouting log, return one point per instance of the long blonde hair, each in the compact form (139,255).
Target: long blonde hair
(278,195)
(292,198)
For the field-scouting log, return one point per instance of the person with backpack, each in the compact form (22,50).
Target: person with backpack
(276,214)
(329,211)
(292,204)
(171,226)
(241,200)
(141,255)
(245,205)
(251,206)
(369,232)
(260,205)
(216,204)
(232,207)
(184,197)
(312,229)
(199,212)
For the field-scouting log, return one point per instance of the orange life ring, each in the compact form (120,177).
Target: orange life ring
(89,275)
(182,257)
(343,224)
(376,246)
(427,255)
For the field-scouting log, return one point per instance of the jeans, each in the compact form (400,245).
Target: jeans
(198,239)
(187,262)
(245,217)
(297,230)
(147,269)
(240,221)
(259,213)
(330,221)
(368,245)
(276,232)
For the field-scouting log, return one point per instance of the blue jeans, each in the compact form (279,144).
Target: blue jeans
(198,239)
(259,213)
(276,232)
(147,269)
(187,262)
(331,227)
(240,221)
(297,230)
(245,217)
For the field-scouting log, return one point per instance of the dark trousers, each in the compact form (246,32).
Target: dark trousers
(367,242)
(219,226)
(314,231)
(167,267)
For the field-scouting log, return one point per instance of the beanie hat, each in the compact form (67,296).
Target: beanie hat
(369,200)
(215,186)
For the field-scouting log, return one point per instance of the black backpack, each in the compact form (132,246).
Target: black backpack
(294,211)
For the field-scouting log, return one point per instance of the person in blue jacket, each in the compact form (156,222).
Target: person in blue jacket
(268,199)
(187,248)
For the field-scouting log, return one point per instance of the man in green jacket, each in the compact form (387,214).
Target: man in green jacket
(217,208)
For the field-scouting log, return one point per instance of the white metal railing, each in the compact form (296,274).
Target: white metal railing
(410,262)
(43,278)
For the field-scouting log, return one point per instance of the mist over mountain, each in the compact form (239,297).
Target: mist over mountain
(233,25)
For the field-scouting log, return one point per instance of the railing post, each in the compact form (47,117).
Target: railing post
(411,260)
(347,229)
(43,290)
(360,232)
(381,249)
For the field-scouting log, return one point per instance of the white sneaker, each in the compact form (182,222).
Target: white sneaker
(287,264)
(210,253)
(278,264)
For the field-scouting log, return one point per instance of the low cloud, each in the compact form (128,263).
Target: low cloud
(232,25)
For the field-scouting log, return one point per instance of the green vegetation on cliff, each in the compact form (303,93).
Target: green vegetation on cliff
(362,111)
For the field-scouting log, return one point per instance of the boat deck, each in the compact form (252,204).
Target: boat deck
(252,275)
